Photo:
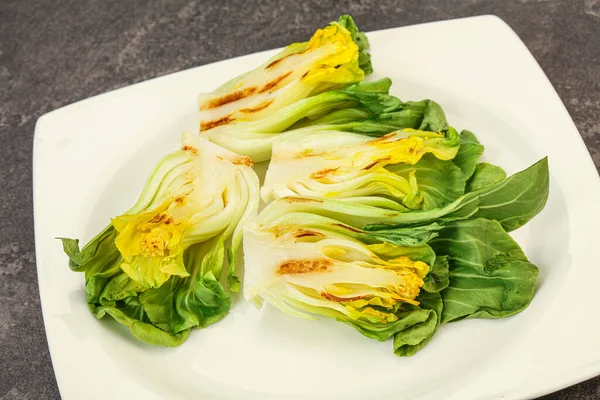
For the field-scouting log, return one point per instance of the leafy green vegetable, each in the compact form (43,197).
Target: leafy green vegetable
(485,175)
(336,164)
(434,118)
(331,59)
(513,202)
(490,277)
(474,268)
(310,87)
(437,279)
(155,269)
(143,331)
(306,266)
(365,107)
(387,114)
(382,217)
(412,339)
(194,302)
(439,182)
(469,152)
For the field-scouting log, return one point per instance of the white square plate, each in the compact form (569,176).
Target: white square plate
(91,159)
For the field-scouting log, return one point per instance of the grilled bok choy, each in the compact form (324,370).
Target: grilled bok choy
(347,165)
(307,87)
(392,272)
(156,268)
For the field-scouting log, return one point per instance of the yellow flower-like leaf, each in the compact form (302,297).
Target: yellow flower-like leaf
(341,64)
(151,245)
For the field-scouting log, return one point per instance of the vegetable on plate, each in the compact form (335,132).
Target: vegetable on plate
(379,213)
(156,268)
(393,272)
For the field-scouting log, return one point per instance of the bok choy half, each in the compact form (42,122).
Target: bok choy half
(156,268)
(390,270)
(307,87)
(335,164)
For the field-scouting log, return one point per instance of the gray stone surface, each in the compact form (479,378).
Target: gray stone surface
(56,53)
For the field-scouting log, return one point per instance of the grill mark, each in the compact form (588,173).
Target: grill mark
(190,149)
(375,162)
(274,82)
(243,160)
(274,63)
(238,160)
(306,233)
(294,267)
(207,125)
(257,108)
(228,98)
(349,228)
(323,173)
(382,138)
(368,167)
(331,297)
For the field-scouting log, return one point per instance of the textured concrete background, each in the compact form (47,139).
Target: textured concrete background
(59,52)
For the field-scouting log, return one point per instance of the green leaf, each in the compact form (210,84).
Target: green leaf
(410,340)
(363,107)
(144,331)
(434,118)
(234,283)
(485,175)
(406,236)
(119,287)
(468,154)
(517,199)
(439,182)
(204,302)
(513,202)
(409,318)
(179,305)
(99,259)
(132,307)
(196,301)
(424,115)
(437,279)
(159,305)
(71,249)
(78,259)
(211,261)
(489,276)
